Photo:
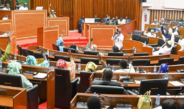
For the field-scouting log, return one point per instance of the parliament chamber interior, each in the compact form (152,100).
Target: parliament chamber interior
(91,54)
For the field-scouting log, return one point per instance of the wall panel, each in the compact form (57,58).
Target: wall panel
(168,14)
(75,9)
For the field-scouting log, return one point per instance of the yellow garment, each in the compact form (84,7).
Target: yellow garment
(91,66)
(6,53)
(39,61)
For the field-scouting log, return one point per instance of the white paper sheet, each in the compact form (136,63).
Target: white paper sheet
(160,107)
(137,81)
(176,83)
(41,75)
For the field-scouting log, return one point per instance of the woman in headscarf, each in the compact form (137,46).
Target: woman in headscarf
(7,51)
(94,47)
(15,69)
(67,65)
(60,44)
(31,60)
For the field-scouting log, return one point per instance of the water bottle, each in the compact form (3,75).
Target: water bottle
(108,66)
(48,52)
(79,67)
(157,102)
(94,94)
(137,70)
(155,69)
(135,51)
(166,75)
(1,66)
(130,38)
(15,56)
(113,68)
(145,43)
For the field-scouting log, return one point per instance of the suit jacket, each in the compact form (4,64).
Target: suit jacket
(106,83)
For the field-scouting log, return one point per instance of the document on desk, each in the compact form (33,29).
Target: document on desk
(176,83)
(40,76)
(160,107)
(137,81)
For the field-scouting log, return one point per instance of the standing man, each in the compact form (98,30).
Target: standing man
(118,37)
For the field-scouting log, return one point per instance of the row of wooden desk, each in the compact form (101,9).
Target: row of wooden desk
(113,100)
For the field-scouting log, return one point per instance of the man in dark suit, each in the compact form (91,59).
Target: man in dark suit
(106,80)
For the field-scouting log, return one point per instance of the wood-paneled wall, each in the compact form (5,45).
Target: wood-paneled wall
(167,14)
(75,9)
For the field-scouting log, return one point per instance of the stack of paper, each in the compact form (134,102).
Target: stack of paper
(176,83)
(40,76)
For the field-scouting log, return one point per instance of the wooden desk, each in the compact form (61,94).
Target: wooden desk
(26,22)
(6,25)
(13,97)
(113,100)
(46,36)
(62,22)
(128,27)
(46,86)
(4,13)
(4,41)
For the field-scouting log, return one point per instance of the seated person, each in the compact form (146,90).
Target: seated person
(115,48)
(31,60)
(106,80)
(107,20)
(173,30)
(52,14)
(7,51)
(112,21)
(90,67)
(122,21)
(162,20)
(24,7)
(116,20)
(67,65)
(123,65)
(155,22)
(94,47)
(7,7)
(104,19)
(150,34)
(165,49)
(165,34)
(181,43)
(94,103)
(170,104)
(15,68)
(89,44)
(60,43)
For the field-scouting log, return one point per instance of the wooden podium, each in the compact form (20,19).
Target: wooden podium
(46,36)
(4,41)
(13,97)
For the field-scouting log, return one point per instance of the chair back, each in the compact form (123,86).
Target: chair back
(181,60)
(72,50)
(84,81)
(62,88)
(10,80)
(149,29)
(161,42)
(102,89)
(32,97)
(57,57)
(136,37)
(139,33)
(19,49)
(37,55)
(168,61)
(140,62)
(90,52)
(115,54)
(141,54)
(177,38)
(144,39)
(173,50)
(113,61)
(26,52)
(86,60)
(55,47)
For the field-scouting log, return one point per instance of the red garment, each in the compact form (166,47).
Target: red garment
(61,64)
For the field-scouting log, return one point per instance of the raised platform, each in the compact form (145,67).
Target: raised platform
(74,37)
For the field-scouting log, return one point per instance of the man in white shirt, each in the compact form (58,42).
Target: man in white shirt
(24,7)
(7,7)
(181,43)
(118,37)
(150,34)
(155,22)
(173,30)
(166,48)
